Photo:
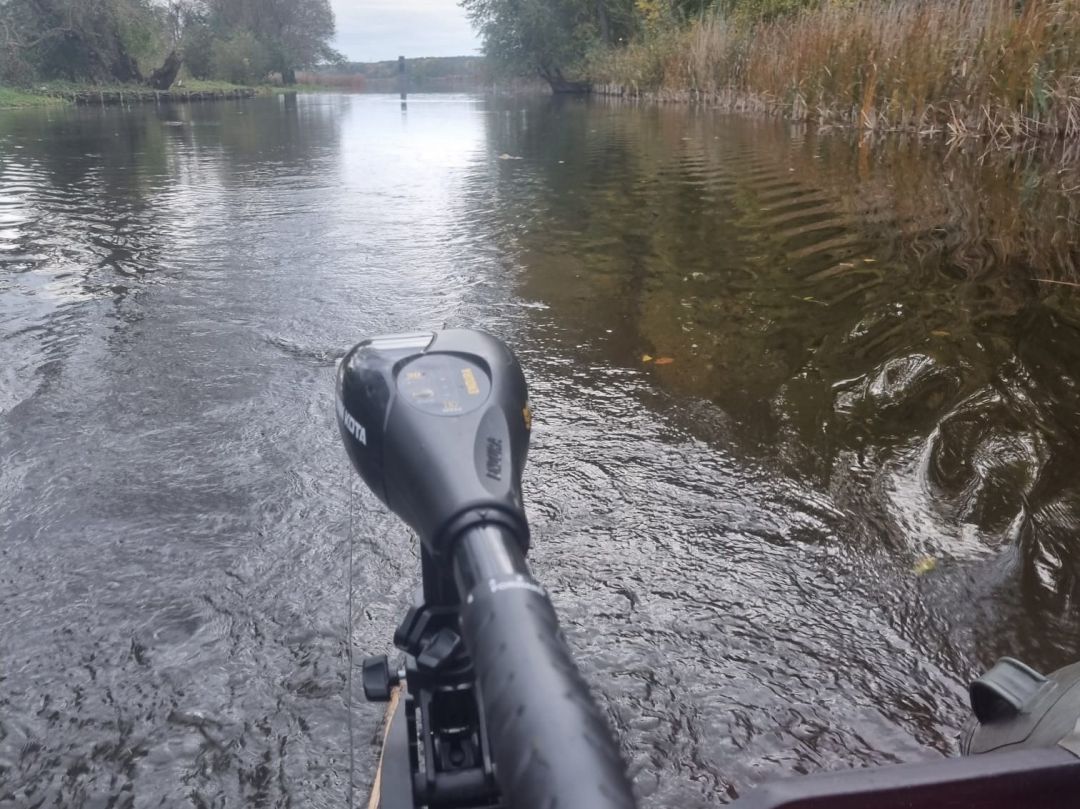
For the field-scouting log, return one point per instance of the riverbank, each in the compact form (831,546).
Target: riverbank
(970,69)
(10,98)
(55,92)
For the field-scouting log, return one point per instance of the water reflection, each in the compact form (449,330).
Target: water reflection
(872,321)
(863,375)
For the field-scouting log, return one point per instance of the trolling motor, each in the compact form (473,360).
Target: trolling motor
(490,709)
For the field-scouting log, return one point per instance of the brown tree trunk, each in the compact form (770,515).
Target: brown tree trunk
(123,66)
(565,86)
(164,76)
(561,85)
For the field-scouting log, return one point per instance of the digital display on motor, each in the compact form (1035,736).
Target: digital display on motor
(443,384)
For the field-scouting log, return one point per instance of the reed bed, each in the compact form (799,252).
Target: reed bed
(352,82)
(998,69)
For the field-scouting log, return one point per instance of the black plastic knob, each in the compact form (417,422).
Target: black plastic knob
(378,680)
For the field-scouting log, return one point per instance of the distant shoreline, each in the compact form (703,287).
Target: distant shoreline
(51,94)
(55,94)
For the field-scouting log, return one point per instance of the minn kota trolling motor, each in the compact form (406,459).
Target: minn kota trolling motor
(488,708)
(494,712)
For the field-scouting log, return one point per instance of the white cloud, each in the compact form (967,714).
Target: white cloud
(372,30)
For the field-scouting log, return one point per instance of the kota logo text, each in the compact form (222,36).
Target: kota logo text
(351,425)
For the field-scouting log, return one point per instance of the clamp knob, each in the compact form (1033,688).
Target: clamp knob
(377,678)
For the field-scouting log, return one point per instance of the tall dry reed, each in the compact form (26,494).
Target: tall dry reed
(963,67)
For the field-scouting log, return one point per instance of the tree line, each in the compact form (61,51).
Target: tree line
(419,68)
(106,41)
(553,39)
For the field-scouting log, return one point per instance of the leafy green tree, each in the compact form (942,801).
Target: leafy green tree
(198,41)
(100,40)
(119,40)
(296,33)
(241,59)
(547,38)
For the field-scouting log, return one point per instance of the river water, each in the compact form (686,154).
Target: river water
(804,457)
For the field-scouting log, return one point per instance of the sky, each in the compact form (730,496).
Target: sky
(374,30)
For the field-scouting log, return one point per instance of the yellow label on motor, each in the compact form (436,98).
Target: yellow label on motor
(526,413)
(470,382)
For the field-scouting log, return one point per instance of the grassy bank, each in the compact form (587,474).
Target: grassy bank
(62,92)
(11,98)
(196,85)
(967,68)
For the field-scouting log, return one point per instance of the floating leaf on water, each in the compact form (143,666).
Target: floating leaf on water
(664,360)
(925,565)
(939,333)
(646,358)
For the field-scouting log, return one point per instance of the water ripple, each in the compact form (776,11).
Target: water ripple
(772,377)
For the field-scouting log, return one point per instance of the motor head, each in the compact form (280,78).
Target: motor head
(437,424)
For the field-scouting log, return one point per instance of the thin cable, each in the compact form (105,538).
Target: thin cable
(349,645)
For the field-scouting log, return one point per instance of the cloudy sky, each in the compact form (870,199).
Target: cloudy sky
(373,30)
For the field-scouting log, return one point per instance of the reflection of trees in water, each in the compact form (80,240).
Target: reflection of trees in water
(106,204)
(868,314)
(82,188)
(586,195)
(289,134)
(116,190)
(980,215)
(994,450)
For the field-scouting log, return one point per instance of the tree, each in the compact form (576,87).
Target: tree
(179,15)
(547,38)
(295,33)
(100,40)
(164,76)
(241,59)
(117,40)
